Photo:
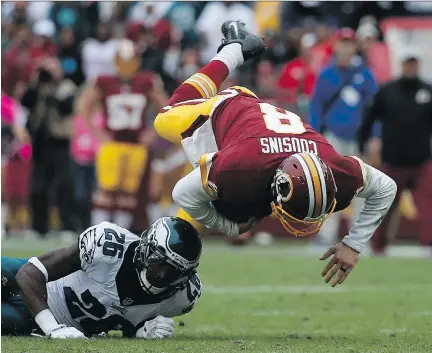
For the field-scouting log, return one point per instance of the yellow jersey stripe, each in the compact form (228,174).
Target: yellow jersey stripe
(197,83)
(204,83)
(209,82)
(205,164)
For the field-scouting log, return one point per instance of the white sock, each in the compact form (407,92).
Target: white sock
(100,215)
(231,55)
(123,218)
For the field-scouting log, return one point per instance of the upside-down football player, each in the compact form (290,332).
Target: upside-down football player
(110,279)
(253,158)
(123,157)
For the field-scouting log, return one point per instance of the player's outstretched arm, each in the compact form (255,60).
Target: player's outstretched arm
(32,279)
(379,192)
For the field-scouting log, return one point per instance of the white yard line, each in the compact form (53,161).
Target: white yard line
(422,313)
(309,289)
(260,289)
(394,330)
(275,313)
(220,329)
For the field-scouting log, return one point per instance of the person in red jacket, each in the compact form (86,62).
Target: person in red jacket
(25,56)
(298,77)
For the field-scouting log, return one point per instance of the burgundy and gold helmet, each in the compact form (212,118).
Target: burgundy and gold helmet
(127,59)
(304,193)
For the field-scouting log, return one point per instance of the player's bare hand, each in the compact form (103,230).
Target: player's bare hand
(341,264)
(251,223)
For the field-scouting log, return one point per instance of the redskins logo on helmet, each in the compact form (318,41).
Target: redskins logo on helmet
(304,193)
(127,60)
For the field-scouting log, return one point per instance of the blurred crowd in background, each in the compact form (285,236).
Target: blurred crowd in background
(325,61)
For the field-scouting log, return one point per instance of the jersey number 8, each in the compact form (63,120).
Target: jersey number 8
(281,121)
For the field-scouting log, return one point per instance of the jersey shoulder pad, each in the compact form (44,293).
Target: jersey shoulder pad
(186,298)
(102,248)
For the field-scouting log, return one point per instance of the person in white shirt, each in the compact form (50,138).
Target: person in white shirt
(215,13)
(98,53)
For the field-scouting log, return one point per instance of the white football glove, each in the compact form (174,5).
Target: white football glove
(158,328)
(63,332)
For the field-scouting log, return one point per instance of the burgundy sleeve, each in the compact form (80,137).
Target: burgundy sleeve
(204,84)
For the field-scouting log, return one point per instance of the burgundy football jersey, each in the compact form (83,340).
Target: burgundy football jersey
(125,104)
(253,139)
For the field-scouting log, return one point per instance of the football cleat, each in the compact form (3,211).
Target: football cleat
(235,32)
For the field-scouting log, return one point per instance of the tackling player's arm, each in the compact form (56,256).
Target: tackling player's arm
(87,105)
(32,279)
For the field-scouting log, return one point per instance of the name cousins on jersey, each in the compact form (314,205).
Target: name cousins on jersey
(287,145)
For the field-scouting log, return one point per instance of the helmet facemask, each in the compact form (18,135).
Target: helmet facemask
(127,60)
(127,68)
(283,188)
(157,273)
(298,227)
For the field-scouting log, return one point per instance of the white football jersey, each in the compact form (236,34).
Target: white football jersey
(106,293)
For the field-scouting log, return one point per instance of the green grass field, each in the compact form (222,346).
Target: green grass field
(271,299)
